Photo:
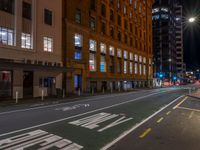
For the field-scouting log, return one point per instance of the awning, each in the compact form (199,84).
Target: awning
(9,65)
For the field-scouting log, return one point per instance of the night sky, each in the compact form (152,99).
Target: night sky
(192,35)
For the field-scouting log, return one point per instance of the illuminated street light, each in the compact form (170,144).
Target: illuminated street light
(191,20)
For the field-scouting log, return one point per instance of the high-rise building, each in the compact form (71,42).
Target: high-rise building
(108,44)
(30,48)
(167,39)
(179,42)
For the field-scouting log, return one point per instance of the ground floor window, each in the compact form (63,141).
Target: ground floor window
(103,64)
(92,62)
(5,84)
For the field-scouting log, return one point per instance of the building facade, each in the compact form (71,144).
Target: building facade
(30,48)
(179,42)
(165,38)
(108,44)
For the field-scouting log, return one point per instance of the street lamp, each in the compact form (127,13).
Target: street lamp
(192,19)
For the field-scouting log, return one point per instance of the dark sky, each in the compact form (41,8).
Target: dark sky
(192,34)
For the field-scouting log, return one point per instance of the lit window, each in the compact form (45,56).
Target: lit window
(164,16)
(144,69)
(155,17)
(111,51)
(140,59)
(77,55)
(48,44)
(155,10)
(78,40)
(103,64)
(136,68)
(144,60)
(103,48)
(131,68)
(125,55)
(92,45)
(124,9)
(125,67)
(136,58)
(119,53)
(131,56)
(78,16)
(131,1)
(92,62)
(6,36)
(164,9)
(26,41)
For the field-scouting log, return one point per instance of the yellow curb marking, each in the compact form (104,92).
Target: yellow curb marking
(145,133)
(168,112)
(180,102)
(159,120)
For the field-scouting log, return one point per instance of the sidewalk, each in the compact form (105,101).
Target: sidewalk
(196,94)
(54,100)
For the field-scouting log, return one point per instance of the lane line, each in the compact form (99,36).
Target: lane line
(191,114)
(159,120)
(78,115)
(138,125)
(180,102)
(191,109)
(76,102)
(169,112)
(145,133)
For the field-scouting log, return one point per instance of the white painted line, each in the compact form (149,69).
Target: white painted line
(64,119)
(68,103)
(138,125)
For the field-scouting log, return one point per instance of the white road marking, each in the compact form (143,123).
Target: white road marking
(43,139)
(78,115)
(86,100)
(93,121)
(68,108)
(138,125)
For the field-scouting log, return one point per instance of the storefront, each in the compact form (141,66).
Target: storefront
(5,84)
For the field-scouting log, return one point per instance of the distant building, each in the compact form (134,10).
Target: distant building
(108,44)
(168,39)
(30,48)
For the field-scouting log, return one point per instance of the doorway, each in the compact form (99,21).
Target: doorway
(27,84)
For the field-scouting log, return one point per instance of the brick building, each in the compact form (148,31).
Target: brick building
(107,44)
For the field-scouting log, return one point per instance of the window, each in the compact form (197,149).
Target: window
(111,15)
(125,55)
(131,56)
(78,40)
(111,64)
(78,16)
(131,27)
(112,32)
(136,58)
(103,48)
(6,36)
(103,27)
(125,24)
(119,53)
(111,51)
(93,4)
(124,9)
(47,17)
(125,67)
(26,41)
(125,39)
(26,12)
(7,6)
(92,62)
(136,68)
(92,45)
(131,67)
(119,20)
(48,44)
(119,35)
(92,24)
(103,10)
(77,55)
(119,66)
(78,46)
(144,69)
(103,64)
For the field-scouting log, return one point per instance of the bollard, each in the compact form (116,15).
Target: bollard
(189,91)
(63,95)
(92,91)
(103,91)
(79,92)
(42,95)
(16,96)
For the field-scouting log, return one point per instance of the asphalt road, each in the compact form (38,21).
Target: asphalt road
(175,128)
(49,118)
